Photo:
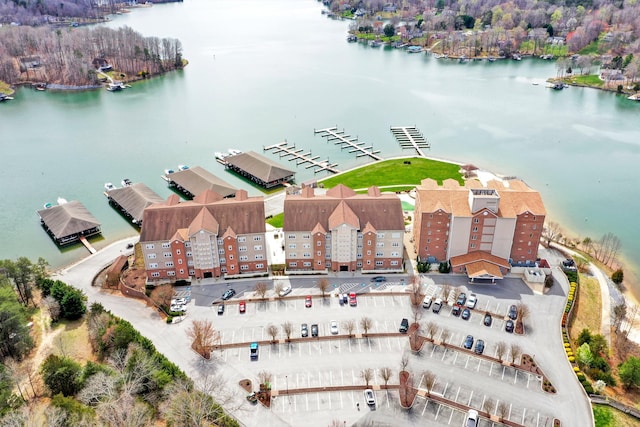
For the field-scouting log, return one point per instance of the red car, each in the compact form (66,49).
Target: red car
(352,299)
(307,301)
(242,306)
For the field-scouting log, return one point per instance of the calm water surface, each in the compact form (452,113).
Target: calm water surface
(262,72)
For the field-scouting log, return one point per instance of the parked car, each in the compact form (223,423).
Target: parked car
(304,332)
(472,301)
(179,308)
(404,326)
(437,305)
(345,299)
(379,279)
(314,330)
(427,302)
(479,347)
(456,310)
(462,298)
(509,326)
(468,342)
(513,312)
(370,397)
(334,327)
(466,314)
(487,319)
(242,306)
(178,301)
(221,309)
(253,351)
(307,301)
(229,293)
(471,419)
(286,290)
(353,301)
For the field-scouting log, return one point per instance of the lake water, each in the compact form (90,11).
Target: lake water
(264,72)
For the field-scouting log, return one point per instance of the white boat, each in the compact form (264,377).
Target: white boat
(61,201)
(109,186)
(126,182)
(183,167)
(234,152)
(375,43)
(414,49)
(220,156)
(168,171)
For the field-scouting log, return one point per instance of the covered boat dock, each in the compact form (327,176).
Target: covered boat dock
(196,180)
(131,200)
(259,169)
(68,222)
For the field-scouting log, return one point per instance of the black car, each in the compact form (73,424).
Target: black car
(479,347)
(304,332)
(466,314)
(404,326)
(456,310)
(468,342)
(221,309)
(513,312)
(487,319)
(228,294)
(314,330)
(509,326)
(462,298)
(379,279)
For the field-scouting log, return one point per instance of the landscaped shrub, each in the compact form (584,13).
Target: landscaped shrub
(170,319)
(572,359)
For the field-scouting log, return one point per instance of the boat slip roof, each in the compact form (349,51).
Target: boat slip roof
(197,179)
(68,219)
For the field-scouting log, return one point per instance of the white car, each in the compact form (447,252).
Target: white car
(177,308)
(334,327)
(471,419)
(178,301)
(285,291)
(472,301)
(370,397)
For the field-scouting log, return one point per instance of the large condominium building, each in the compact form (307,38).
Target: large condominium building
(482,230)
(209,236)
(343,231)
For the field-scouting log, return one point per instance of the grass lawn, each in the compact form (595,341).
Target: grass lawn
(396,174)
(4,87)
(587,79)
(588,308)
(276,221)
(606,416)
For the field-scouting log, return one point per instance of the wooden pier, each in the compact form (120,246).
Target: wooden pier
(87,245)
(348,142)
(283,149)
(410,137)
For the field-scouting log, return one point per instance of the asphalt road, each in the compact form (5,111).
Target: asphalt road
(339,362)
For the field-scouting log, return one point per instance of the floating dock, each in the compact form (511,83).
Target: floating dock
(87,245)
(410,137)
(283,149)
(346,141)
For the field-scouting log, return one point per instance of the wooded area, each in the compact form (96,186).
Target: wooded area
(67,56)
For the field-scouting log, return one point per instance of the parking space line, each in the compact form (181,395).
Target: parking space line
(479,363)
(399,344)
(457,393)
(450,417)
(444,353)
(318,400)
(515,377)
(510,407)
(425,407)
(466,363)
(438,412)
(470,397)
(306,395)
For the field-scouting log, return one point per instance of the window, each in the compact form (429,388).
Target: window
(380,235)
(357,256)
(379,263)
(257,238)
(153,265)
(293,255)
(474,229)
(368,242)
(166,245)
(257,248)
(291,236)
(395,253)
(368,253)
(232,267)
(244,267)
(306,236)
(368,262)
(395,244)
(192,272)
(476,220)
(359,264)
(306,245)
(220,242)
(259,265)
(242,249)
(171,273)
(243,258)
(319,262)
(187,244)
(230,257)
(474,237)
(179,260)
(151,256)
(292,245)
(380,244)
(190,263)
(473,245)
(319,253)
(306,264)
(167,254)
(168,264)
(149,246)
(535,226)
(379,254)
(306,255)
(178,251)
(223,269)
(319,243)
(221,251)
(293,264)
(155,274)
(188,254)
(394,262)
(230,248)
(181,271)
(259,256)
(242,239)
(430,215)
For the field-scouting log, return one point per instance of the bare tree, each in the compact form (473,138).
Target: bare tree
(264,377)
(203,337)
(415,292)
(516,351)
(287,328)
(386,373)
(323,286)
(522,311)
(272,330)
(432,329)
(444,335)
(489,405)
(503,410)
(404,362)
(551,232)
(446,290)
(619,314)
(607,248)
(367,375)
(350,326)
(416,312)
(407,390)
(98,388)
(366,323)
(161,295)
(260,289)
(53,307)
(501,349)
(429,379)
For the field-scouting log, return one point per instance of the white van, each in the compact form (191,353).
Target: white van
(427,302)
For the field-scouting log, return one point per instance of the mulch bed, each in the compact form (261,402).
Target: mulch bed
(407,391)
(529,365)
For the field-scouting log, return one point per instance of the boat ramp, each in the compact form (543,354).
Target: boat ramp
(283,149)
(346,141)
(410,137)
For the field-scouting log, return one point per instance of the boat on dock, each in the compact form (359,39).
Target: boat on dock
(48,205)
(414,49)
(117,86)
(168,171)
(491,59)
(351,38)
(234,152)
(558,86)
(4,97)
(634,97)
(126,182)
(182,167)
(375,43)
(62,201)
(109,186)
